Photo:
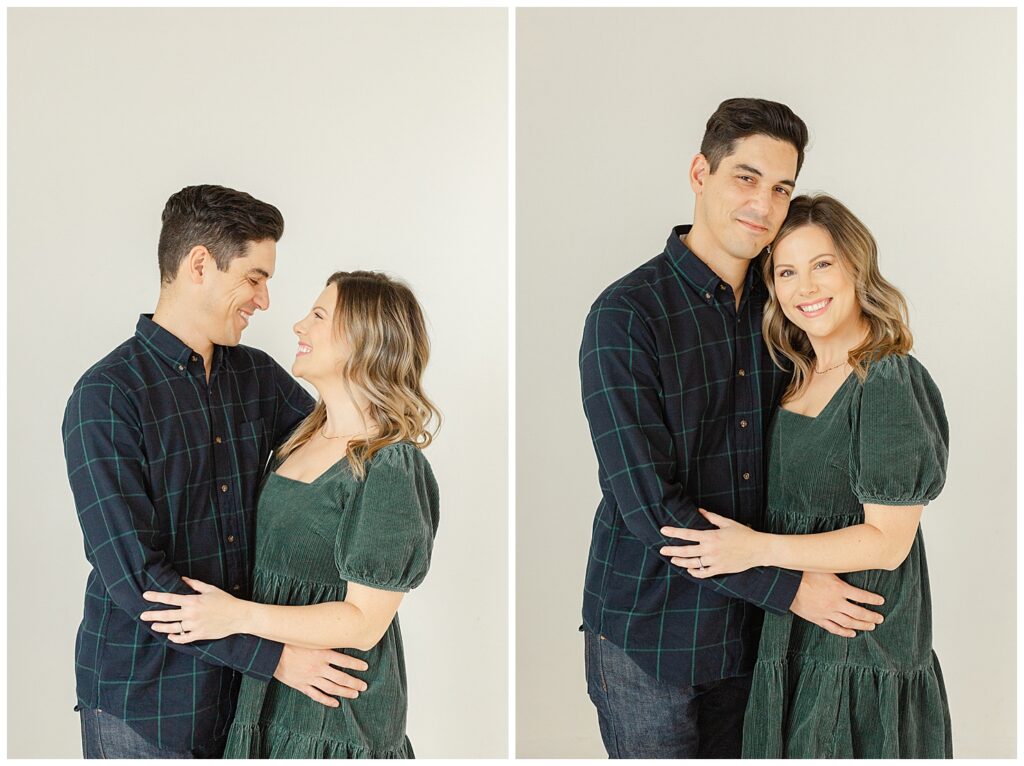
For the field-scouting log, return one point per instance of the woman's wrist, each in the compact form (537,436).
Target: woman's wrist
(770,546)
(244,617)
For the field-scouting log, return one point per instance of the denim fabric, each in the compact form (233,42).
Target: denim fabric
(107,736)
(641,717)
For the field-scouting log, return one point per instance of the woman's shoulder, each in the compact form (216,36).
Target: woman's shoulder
(897,369)
(898,381)
(401,456)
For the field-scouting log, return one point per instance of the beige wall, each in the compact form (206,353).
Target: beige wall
(382,137)
(912,116)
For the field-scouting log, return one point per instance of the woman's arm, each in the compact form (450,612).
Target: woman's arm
(881,542)
(358,622)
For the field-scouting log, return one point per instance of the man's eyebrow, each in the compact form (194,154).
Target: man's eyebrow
(759,174)
(261,272)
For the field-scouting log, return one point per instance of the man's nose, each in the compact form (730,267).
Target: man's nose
(761,201)
(262,297)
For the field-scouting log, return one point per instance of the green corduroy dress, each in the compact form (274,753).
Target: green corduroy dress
(881,694)
(312,539)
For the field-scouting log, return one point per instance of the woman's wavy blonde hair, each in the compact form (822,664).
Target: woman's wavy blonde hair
(387,337)
(884,306)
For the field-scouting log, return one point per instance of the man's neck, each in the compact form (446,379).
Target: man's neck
(175,320)
(731,270)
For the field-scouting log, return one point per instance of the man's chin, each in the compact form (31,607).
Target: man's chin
(746,253)
(232,339)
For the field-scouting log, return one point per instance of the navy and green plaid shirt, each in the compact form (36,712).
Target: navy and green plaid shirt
(678,388)
(164,468)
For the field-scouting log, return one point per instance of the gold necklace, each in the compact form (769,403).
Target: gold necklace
(342,436)
(829,369)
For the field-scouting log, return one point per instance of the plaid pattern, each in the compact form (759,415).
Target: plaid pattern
(677,388)
(164,470)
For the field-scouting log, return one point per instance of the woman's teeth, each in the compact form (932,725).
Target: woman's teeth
(810,309)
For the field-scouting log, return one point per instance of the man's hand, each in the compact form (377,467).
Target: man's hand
(310,671)
(825,600)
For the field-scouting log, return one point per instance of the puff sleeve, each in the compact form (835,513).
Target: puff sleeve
(900,435)
(385,538)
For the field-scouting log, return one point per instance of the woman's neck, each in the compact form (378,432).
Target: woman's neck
(834,349)
(345,416)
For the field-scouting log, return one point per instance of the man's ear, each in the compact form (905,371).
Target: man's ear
(198,260)
(699,169)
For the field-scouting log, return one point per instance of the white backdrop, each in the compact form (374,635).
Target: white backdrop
(382,137)
(911,116)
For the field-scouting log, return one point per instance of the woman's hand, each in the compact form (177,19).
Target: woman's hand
(733,547)
(211,614)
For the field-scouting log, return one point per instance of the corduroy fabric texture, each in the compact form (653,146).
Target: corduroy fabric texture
(881,694)
(312,539)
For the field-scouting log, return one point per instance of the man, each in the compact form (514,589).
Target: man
(166,439)
(678,388)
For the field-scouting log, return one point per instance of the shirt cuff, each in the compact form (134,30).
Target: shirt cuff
(781,596)
(265,660)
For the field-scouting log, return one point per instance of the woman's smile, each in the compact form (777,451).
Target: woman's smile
(816,309)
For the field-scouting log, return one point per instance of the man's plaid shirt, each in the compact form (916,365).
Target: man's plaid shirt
(678,388)
(164,469)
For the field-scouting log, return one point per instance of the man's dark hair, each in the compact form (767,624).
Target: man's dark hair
(221,219)
(738,118)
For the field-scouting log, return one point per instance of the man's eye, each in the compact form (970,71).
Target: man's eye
(253,282)
(782,190)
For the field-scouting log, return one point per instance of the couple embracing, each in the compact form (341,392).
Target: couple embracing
(210,629)
(760,428)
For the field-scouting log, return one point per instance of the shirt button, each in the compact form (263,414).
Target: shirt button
(223,487)
(742,372)
(236,587)
(746,476)
(231,538)
(195,358)
(743,424)
(722,287)
(707,296)
(216,439)
(181,368)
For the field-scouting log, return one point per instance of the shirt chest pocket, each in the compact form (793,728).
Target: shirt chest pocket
(251,446)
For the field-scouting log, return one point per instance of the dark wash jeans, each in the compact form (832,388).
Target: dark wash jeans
(107,736)
(641,717)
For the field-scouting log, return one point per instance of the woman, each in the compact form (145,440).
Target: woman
(856,449)
(345,525)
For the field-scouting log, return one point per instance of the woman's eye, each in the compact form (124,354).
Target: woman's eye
(785,272)
(823,264)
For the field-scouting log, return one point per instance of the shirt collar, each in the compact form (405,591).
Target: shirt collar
(170,347)
(699,276)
